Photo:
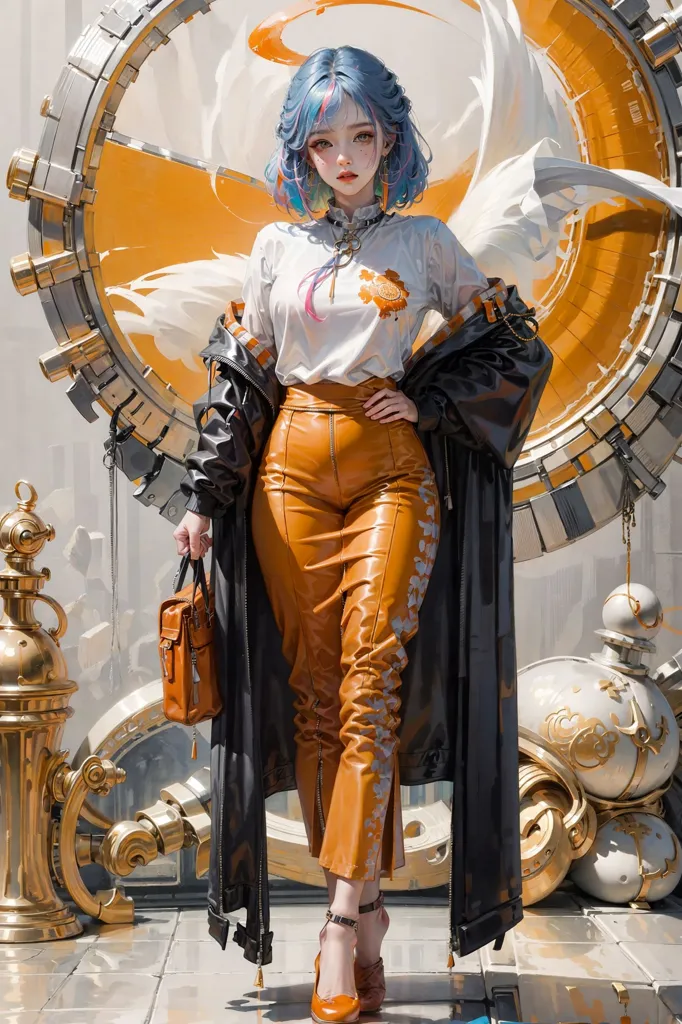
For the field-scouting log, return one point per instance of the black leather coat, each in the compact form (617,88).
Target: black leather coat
(476,393)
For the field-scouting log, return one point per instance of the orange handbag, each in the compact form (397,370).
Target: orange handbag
(190,685)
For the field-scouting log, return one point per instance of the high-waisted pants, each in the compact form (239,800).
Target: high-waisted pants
(345,524)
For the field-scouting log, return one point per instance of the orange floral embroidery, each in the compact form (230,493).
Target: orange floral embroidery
(386,290)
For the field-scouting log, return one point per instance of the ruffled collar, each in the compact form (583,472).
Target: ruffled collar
(363,216)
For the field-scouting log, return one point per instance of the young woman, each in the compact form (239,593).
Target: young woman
(315,452)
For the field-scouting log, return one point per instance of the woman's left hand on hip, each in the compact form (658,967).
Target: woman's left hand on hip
(388,405)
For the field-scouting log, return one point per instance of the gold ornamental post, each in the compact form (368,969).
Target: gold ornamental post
(34,705)
(37,847)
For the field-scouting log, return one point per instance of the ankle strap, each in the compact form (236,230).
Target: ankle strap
(338,919)
(367,908)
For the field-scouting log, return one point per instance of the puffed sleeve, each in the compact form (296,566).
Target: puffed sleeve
(454,277)
(256,293)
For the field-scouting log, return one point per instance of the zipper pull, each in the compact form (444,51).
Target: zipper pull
(193,755)
(195,670)
(258,983)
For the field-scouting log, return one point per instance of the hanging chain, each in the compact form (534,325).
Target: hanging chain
(528,318)
(110,463)
(115,645)
(628,521)
(345,248)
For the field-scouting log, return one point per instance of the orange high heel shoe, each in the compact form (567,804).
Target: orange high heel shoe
(341,1009)
(371,981)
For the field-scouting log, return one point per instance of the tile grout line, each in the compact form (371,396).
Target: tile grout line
(65,977)
(155,997)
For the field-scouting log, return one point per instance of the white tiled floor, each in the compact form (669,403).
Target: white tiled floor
(167,970)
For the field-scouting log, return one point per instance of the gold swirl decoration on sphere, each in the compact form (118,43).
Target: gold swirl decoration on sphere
(558,824)
(585,743)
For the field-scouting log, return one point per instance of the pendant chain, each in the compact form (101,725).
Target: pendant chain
(345,249)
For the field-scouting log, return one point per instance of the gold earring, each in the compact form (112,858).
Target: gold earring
(311,177)
(383,177)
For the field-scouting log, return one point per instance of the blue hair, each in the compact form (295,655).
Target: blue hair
(315,95)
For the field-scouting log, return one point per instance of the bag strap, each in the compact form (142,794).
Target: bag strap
(199,580)
(179,578)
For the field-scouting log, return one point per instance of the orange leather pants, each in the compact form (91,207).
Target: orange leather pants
(345,524)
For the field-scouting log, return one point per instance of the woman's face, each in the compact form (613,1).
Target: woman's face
(347,154)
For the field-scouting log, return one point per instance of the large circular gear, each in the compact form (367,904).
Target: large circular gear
(612,312)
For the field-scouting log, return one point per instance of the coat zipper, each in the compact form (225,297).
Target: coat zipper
(259,975)
(259,955)
(242,371)
(448,492)
(453,941)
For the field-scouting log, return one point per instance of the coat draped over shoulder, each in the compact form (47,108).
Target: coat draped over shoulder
(477,391)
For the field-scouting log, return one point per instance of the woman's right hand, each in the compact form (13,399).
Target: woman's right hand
(191,535)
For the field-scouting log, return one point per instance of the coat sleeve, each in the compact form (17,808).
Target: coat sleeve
(485,394)
(219,469)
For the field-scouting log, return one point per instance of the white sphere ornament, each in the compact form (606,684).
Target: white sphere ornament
(617,732)
(635,857)
(633,611)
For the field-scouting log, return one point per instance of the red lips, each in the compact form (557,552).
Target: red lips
(347,176)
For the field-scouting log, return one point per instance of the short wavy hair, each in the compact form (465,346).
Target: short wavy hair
(315,95)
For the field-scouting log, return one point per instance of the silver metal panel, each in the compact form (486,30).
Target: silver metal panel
(188,8)
(60,182)
(617,393)
(549,522)
(35,227)
(91,111)
(97,148)
(93,52)
(118,56)
(50,129)
(61,91)
(177,440)
(71,119)
(660,441)
(140,52)
(115,25)
(69,309)
(158,490)
(575,515)
(555,461)
(602,489)
(130,9)
(52,316)
(171,20)
(40,173)
(630,10)
(51,229)
(80,395)
(642,415)
(527,543)
(599,453)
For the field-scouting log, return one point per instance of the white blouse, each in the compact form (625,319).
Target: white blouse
(406,266)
